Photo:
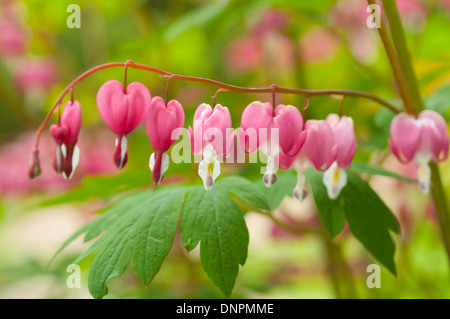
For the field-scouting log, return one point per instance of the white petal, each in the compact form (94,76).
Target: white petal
(209,170)
(151,163)
(64,150)
(335,180)
(299,191)
(123,149)
(424,176)
(75,161)
(59,156)
(164,163)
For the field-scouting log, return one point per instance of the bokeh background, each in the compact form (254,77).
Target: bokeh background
(306,44)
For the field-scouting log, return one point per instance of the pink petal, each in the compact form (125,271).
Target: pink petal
(405,134)
(59,133)
(256,116)
(319,145)
(396,152)
(176,108)
(161,121)
(138,98)
(202,113)
(71,117)
(434,137)
(284,161)
(122,111)
(219,121)
(289,121)
(345,138)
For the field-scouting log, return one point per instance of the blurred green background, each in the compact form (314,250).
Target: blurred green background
(306,44)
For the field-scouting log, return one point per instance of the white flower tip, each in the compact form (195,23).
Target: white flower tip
(424,177)
(300,194)
(334,180)
(209,170)
(75,161)
(163,166)
(269,179)
(208,182)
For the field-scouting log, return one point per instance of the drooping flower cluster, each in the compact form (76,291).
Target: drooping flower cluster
(280,133)
(66,136)
(329,146)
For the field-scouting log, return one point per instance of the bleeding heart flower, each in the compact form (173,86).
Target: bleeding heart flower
(272,133)
(421,139)
(335,177)
(319,150)
(122,110)
(212,137)
(66,137)
(162,123)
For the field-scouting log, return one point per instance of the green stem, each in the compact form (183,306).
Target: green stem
(340,274)
(441,207)
(404,57)
(408,74)
(393,61)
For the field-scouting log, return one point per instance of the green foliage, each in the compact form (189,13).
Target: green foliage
(141,227)
(144,226)
(216,221)
(331,212)
(245,190)
(358,167)
(370,220)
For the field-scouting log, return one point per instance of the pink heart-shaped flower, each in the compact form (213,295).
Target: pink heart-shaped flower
(122,110)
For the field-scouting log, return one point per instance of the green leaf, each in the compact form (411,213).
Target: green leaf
(245,190)
(214,219)
(370,220)
(376,170)
(147,228)
(331,212)
(142,225)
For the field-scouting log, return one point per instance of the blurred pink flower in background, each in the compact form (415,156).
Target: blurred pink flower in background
(244,54)
(363,46)
(264,45)
(351,15)
(15,161)
(413,14)
(35,74)
(273,20)
(444,4)
(13,37)
(318,45)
